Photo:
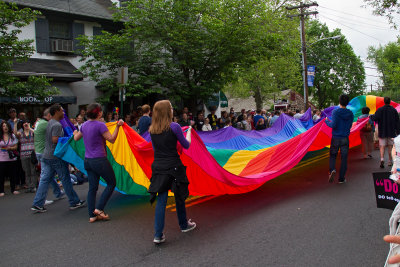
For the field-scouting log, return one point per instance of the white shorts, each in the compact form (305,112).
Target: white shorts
(386,141)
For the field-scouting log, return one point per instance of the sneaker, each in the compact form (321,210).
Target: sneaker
(342,181)
(48,202)
(190,226)
(370,156)
(78,205)
(37,209)
(16,192)
(1,194)
(382,164)
(332,176)
(159,240)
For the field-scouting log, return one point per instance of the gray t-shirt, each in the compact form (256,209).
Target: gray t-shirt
(54,128)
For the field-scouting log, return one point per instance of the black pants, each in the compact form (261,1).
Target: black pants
(337,144)
(8,169)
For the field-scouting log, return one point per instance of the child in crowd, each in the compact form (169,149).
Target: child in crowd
(207,125)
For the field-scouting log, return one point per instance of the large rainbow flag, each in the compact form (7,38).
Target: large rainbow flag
(226,161)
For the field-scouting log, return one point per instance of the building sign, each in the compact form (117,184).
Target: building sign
(217,99)
(34,100)
(223,99)
(310,75)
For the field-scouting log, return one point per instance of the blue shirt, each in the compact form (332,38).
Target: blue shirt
(342,120)
(273,120)
(256,118)
(144,124)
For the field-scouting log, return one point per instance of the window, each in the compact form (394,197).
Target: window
(60,30)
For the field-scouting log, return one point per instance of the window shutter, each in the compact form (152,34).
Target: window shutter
(77,30)
(96,31)
(42,35)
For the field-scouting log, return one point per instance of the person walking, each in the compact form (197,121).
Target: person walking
(8,162)
(342,120)
(366,134)
(388,128)
(168,171)
(95,133)
(51,164)
(39,143)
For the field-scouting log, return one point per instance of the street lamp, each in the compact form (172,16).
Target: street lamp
(336,37)
(304,61)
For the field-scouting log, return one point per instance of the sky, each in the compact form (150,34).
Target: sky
(361,28)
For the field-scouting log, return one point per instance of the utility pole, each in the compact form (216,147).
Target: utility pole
(302,15)
(122,80)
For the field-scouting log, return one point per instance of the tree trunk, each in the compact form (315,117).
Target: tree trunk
(258,98)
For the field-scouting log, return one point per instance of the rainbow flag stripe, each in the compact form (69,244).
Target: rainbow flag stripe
(226,161)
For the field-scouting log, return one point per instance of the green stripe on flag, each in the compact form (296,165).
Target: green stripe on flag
(125,183)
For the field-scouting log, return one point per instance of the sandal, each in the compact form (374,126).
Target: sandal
(101,214)
(93,219)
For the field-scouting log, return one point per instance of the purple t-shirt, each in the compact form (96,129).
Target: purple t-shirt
(95,144)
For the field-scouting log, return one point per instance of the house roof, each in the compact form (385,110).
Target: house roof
(57,69)
(88,8)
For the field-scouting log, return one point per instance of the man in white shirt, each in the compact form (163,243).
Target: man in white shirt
(79,122)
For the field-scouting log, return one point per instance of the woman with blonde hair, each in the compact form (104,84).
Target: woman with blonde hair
(168,171)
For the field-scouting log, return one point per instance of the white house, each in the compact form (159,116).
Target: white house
(54,34)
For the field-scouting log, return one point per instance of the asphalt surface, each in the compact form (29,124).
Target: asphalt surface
(297,219)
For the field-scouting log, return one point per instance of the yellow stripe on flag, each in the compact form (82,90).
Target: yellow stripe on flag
(239,160)
(371,103)
(123,155)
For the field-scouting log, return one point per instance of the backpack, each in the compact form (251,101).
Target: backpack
(367,127)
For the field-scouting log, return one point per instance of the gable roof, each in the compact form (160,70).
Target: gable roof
(88,8)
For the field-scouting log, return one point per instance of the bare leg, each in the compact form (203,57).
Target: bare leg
(382,150)
(390,153)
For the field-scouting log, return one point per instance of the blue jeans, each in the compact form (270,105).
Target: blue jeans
(95,168)
(160,213)
(49,168)
(53,183)
(337,144)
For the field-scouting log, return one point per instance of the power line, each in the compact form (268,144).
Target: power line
(361,23)
(369,19)
(353,29)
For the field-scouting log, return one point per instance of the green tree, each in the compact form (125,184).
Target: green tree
(274,67)
(185,49)
(12,49)
(266,77)
(338,69)
(387,59)
(387,8)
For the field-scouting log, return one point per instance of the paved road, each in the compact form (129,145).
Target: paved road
(297,219)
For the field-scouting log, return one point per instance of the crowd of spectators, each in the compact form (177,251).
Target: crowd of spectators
(247,120)
(22,145)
